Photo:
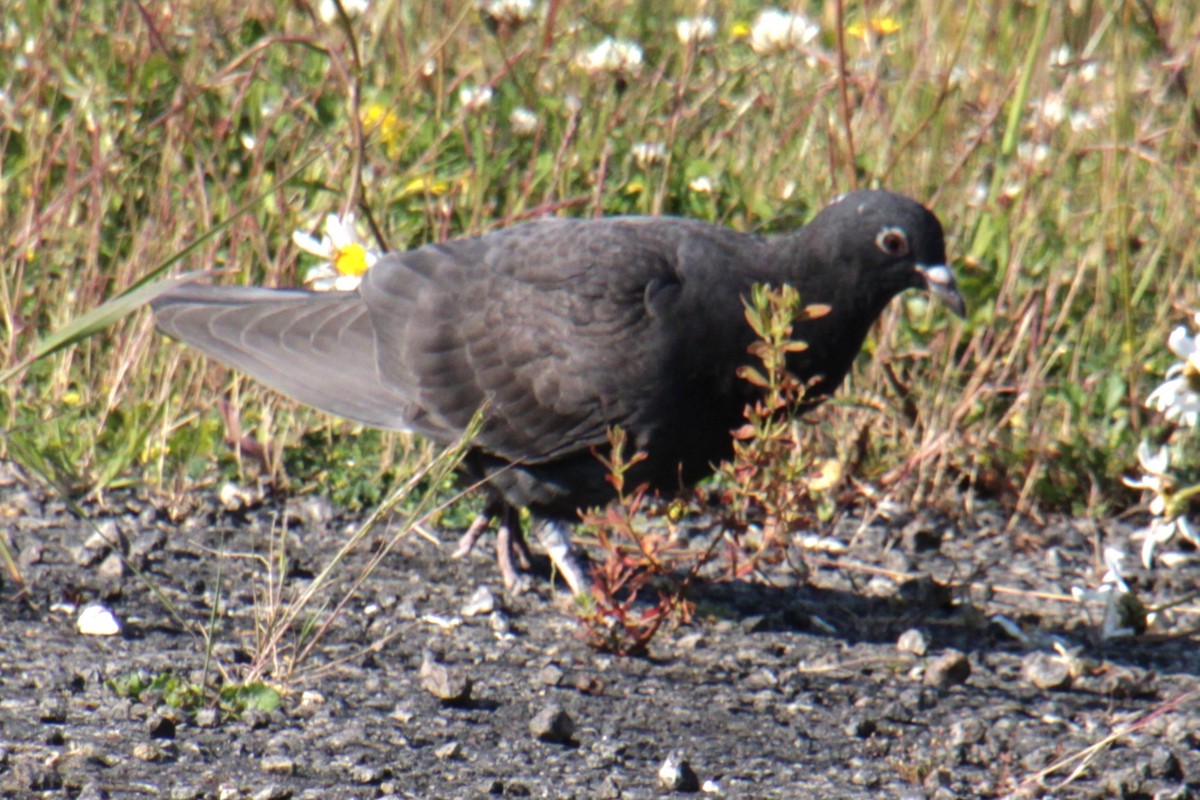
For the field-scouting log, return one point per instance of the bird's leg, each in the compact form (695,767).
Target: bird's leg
(512,553)
(478,525)
(510,543)
(555,537)
(509,538)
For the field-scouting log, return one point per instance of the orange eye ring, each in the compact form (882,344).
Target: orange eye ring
(893,242)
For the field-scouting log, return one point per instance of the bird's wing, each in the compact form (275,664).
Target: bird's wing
(319,349)
(552,323)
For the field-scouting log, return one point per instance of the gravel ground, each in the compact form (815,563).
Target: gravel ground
(852,682)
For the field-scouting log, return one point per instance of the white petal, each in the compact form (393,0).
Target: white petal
(340,231)
(309,244)
(1181,343)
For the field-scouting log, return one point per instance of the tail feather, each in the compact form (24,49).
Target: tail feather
(318,349)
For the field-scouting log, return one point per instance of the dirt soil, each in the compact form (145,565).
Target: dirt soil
(882,672)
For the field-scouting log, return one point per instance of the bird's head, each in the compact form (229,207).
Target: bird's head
(894,242)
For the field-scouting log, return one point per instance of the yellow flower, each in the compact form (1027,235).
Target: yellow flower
(431,186)
(740,30)
(880,26)
(634,188)
(380,120)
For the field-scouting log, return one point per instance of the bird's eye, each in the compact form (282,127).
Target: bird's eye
(892,241)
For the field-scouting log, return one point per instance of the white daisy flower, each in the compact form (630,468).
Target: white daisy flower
(475,98)
(612,56)
(693,30)
(327,10)
(648,153)
(523,121)
(346,257)
(775,32)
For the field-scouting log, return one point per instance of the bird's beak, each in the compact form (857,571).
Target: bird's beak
(940,281)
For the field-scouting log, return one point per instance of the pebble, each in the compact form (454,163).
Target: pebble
(1046,671)
(278,765)
(552,724)
(677,775)
(913,641)
(451,686)
(550,675)
(481,603)
(448,751)
(949,669)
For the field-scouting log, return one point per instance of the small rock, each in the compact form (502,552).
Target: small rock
(969,731)
(365,774)
(313,510)
(913,641)
(147,752)
(237,498)
(482,602)
(449,685)
(1046,671)
(272,791)
(586,683)
(52,710)
(677,775)
(448,751)
(92,791)
(278,765)
(550,675)
(949,669)
(147,542)
(112,568)
(97,620)
(610,788)
(206,718)
(553,724)
(185,792)
(500,624)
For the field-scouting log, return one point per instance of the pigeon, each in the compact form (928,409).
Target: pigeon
(561,329)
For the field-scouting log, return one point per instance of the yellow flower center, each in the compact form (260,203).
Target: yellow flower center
(351,260)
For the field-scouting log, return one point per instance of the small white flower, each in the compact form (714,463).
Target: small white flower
(1155,465)
(1114,594)
(328,12)
(346,257)
(774,32)
(701,185)
(1177,398)
(648,153)
(1161,531)
(508,12)
(693,30)
(524,122)
(612,56)
(475,98)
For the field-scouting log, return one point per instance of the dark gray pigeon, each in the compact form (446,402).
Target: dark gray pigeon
(567,328)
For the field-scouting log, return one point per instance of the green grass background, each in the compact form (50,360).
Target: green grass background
(1056,141)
